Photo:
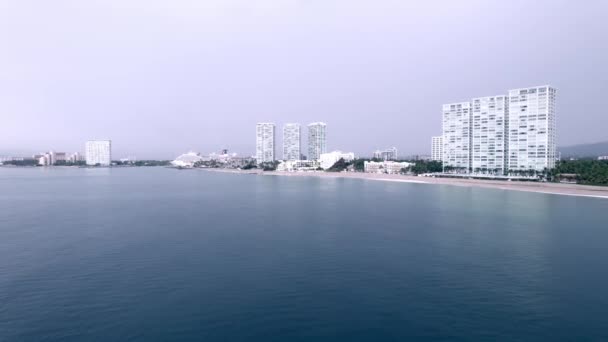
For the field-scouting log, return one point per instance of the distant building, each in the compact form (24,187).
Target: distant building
(488,137)
(317,140)
(327,160)
(75,157)
(531,129)
(50,158)
(298,165)
(387,154)
(602,158)
(99,152)
(390,154)
(224,157)
(503,133)
(57,157)
(265,142)
(389,167)
(187,160)
(437,148)
(292,141)
(457,135)
(45,159)
(4,159)
(240,162)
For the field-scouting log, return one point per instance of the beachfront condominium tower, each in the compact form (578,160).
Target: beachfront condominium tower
(488,136)
(317,140)
(292,141)
(531,129)
(99,152)
(437,148)
(457,135)
(264,145)
(502,134)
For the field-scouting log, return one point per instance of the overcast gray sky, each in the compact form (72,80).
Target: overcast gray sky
(163,77)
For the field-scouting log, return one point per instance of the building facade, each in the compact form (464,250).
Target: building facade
(99,152)
(298,165)
(265,142)
(292,141)
(387,154)
(389,167)
(328,160)
(531,129)
(75,157)
(489,134)
(317,140)
(501,134)
(457,135)
(437,148)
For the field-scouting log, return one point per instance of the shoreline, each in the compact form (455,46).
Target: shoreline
(592,191)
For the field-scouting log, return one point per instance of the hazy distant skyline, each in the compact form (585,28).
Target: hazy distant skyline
(160,78)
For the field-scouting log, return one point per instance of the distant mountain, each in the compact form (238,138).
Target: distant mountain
(585,150)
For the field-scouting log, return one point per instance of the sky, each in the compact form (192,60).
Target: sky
(160,78)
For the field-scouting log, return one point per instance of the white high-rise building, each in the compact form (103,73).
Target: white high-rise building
(531,129)
(99,152)
(317,140)
(437,148)
(292,141)
(504,133)
(457,135)
(264,146)
(488,133)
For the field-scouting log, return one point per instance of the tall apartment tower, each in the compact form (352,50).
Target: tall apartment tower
(457,135)
(489,133)
(437,148)
(264,144)
(531,129)
(99,152)
(317,140)
(292,141)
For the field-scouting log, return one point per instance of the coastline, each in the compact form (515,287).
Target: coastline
(537,187)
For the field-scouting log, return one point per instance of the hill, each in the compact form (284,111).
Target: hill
(585,150)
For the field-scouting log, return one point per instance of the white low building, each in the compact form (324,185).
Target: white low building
(328,160)
(298,165)
(187,159)
(389,167)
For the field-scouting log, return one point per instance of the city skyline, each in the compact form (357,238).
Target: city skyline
(197,83)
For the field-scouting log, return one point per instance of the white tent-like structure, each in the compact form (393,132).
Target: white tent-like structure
(187,159)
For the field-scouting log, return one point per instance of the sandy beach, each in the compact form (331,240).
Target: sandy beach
(546,188)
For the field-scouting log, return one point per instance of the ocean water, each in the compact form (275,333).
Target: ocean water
(155,254)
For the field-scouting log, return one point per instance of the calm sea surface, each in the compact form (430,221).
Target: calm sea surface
(155,254)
